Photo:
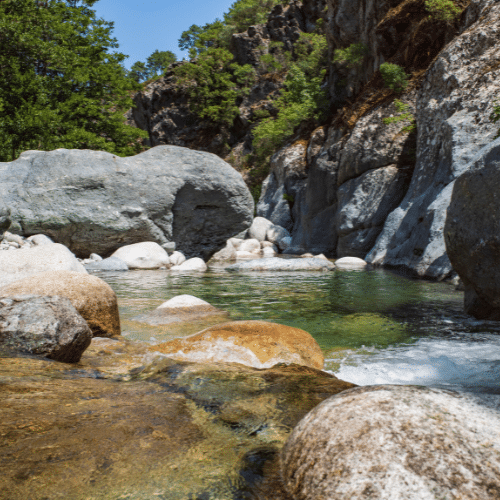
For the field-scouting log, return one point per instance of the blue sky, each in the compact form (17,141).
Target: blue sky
(143,26)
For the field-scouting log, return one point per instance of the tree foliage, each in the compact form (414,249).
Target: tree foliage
(59,85)
(442,10)
(303,97)
(213,84)
(241,15)
(494,117)
(394,76)
(156,65)
(351,56)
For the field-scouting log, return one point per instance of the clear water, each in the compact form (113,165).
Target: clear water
(375,327)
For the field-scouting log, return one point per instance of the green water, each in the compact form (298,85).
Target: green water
(340,309)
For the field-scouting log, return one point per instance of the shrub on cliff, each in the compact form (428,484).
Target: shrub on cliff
(60,87)
(394,76)
(351,56)
(442,10)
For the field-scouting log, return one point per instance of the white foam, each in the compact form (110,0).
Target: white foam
(473,364)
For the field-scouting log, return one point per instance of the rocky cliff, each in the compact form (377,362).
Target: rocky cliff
(358,185)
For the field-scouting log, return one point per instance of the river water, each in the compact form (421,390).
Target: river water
(374,326)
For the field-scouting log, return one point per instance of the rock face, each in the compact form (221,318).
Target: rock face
(277,264)
(472,232)
(93,201)
(92,297)
(389,442)
(46,326)
(19,264)
(180,309)
(253,343)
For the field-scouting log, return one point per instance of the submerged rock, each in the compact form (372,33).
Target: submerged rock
(109,264)
(277,264)
(388,442)
(180,309)
(253,343)
(205,427)
(92,297)
(45,326)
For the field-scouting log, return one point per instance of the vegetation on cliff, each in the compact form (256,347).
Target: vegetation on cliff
(59,85)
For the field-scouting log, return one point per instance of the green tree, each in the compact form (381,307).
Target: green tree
(394,76)
(59,85)
(442,10)
(139,71)
(214,84)
(158,62)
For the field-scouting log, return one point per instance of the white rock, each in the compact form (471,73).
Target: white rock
(267,244)
(95,258)
(40,239)
(268,252)
(279,236)
(227,253)
(13,238)
(13,244)
(181,301)
(245,255)
(236,242)
(177,258)
(252,245)
(194,264)
(320,256)
(259,228)
(350,263)
(25,262)
(307,255)
(145,255)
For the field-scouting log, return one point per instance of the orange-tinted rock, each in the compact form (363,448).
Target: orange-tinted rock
(254,343)
(91,296)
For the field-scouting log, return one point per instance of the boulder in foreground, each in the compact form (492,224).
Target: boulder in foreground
(16,265)
(92,297)
(45,326)
(394,442)
(277,264)
(96,202)
(253,343)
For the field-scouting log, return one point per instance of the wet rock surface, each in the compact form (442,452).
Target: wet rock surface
(126,426)
(278,264)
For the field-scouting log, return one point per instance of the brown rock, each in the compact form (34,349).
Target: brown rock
(254,343)
(388,442)
(92,297)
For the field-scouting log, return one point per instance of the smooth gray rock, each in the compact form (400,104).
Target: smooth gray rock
(453,111)
(46,326)
(177,258)
(144,255)
(277,264)
(109,264)
(472,232)
(40,239)
(394,442)
(363,205)
(227,253)
(195,264)
(93,201)
(279,236)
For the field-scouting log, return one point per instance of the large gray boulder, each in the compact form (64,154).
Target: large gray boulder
(95,202)
(46,326)
(472,232)
(394,442)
